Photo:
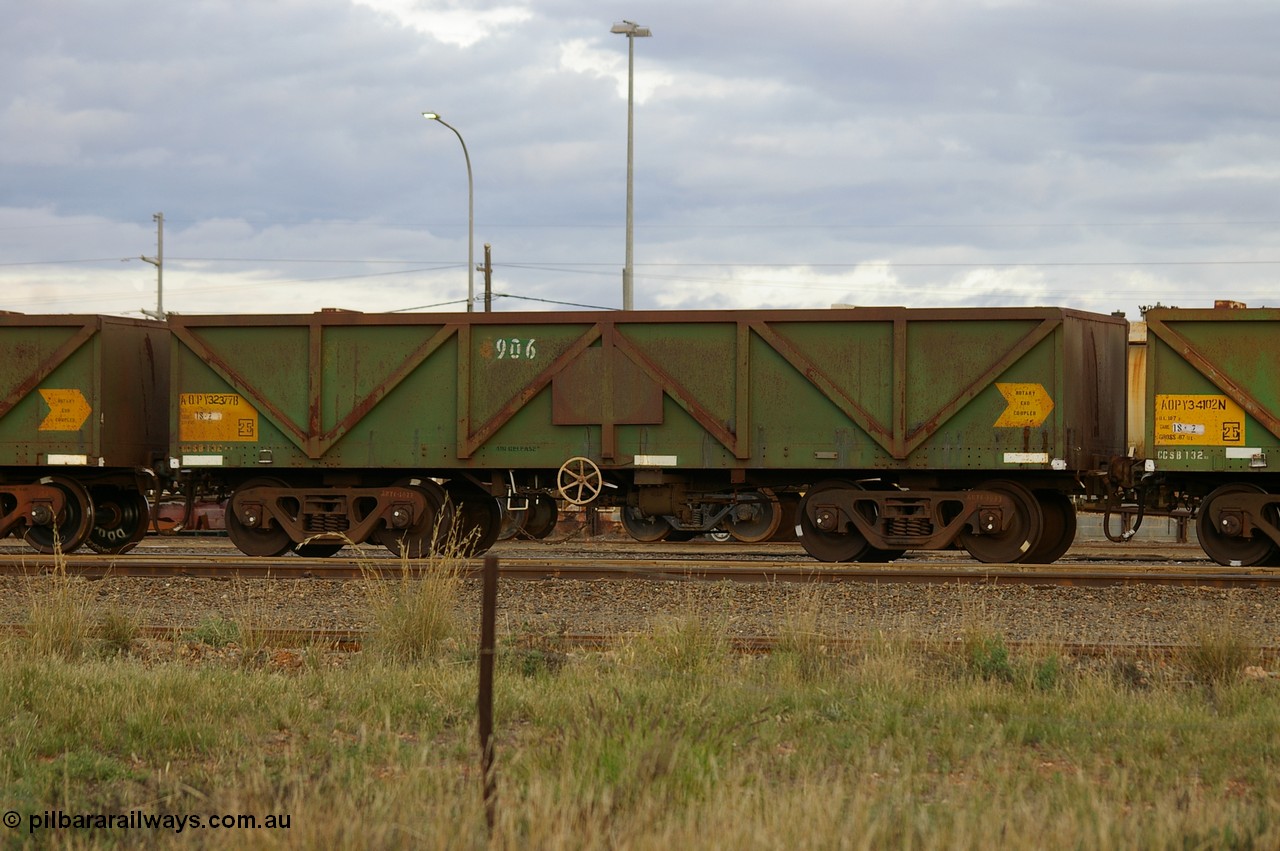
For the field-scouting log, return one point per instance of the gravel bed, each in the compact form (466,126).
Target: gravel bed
(1142,614)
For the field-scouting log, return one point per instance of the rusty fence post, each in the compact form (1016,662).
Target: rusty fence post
(484,700)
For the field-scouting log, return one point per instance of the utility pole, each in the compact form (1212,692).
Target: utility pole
(158,262)
(487,268)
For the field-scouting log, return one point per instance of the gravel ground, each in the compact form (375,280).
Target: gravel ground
(1153,614)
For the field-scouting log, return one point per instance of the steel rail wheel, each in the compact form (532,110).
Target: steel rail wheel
(70,530)
(788,504)
(834,545)
(1020,535)
(477,517)
(1059,527)
(646,528)
(513,522)
(431,531)
(120,520)
(541,518)
(1220,541)
(249,537)
(755,519)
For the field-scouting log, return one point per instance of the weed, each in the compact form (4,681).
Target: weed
(688,641)
(216,631)
(58,617)
(252,637)
(414,612)
(1048,674)
(802,646)
(117,631)
(987,656)
(1218,656)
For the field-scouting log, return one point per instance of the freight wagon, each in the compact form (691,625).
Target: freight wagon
(83,424)
(873,430)
(1207,431)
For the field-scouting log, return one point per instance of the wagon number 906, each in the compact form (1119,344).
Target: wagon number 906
(514,348)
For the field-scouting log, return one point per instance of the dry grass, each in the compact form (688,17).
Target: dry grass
(414,611)
(1217,654)
(691,639)
(669,739)
(804,648)
(59,619)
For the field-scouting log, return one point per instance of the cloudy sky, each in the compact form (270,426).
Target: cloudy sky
(1097,155)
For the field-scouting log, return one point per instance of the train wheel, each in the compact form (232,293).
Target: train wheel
(476,515)
(1019,539)
(120,520)
(513,522)
(834,546)
(788,504)
(1059,527)
(541,518)
(757,519)
(646,528)
(72,529)
(252,540)
(1230,549)
(430,532)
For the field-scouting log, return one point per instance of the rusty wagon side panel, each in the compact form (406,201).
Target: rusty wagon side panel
(83,420)
(1213,390)
(82,391)
(1211,439)
(868,389)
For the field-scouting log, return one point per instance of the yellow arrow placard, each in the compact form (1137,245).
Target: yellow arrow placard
(1028,405)
(68,409)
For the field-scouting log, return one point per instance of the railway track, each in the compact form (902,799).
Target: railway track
(350,641)
(225,566)
(1150,603)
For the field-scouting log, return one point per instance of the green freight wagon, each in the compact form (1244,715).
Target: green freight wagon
(872,430)
(83,423)
(1211,440)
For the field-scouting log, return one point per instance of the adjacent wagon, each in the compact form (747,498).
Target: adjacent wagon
(83,422)
(1210,433)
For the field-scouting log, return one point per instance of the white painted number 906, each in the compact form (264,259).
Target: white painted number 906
(515,349)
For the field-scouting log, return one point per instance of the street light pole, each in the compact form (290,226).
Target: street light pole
(632,31)
(471,213)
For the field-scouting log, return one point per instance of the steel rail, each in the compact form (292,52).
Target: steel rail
(354,640)
(339,569)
